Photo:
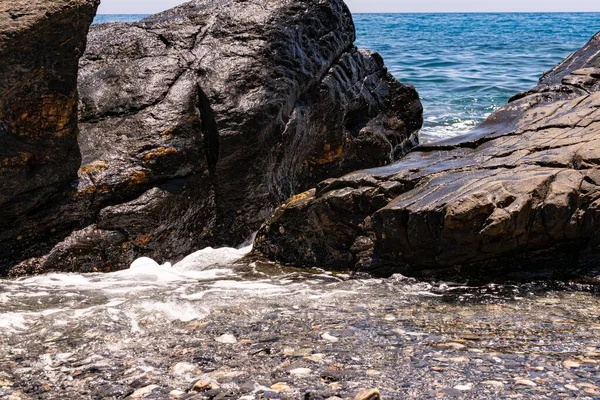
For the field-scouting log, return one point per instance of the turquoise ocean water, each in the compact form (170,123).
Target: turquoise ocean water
(466,65)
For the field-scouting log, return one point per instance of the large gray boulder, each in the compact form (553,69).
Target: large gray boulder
(198,121)
(522,191)
(40,45)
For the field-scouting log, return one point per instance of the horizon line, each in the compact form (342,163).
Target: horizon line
(423,12)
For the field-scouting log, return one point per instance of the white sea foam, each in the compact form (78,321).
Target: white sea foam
(199,295)
(212,257)
(55,280)
(149,294)
(142,271)
(12,321)
(245,285)
(146,289)
(148,272)
(184,312)
(439,130)
(5,297)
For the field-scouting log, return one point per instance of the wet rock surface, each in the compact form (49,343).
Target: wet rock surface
(40,45)
(520,191)
(253,331)
(196,122)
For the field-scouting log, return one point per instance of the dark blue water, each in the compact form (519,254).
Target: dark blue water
(466,65)
(118,18)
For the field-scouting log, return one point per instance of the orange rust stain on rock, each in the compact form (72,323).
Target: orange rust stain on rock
(167,133)
(300,198)
(17,161)
(159,152)
(94,168)
(88,190)
(144,239)
(47,115)
(329,156)
(137,177)
(92,189)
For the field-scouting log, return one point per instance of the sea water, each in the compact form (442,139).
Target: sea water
(465,66)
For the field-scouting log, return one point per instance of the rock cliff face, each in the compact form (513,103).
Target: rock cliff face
(521,190)
(196,122)
(40,45)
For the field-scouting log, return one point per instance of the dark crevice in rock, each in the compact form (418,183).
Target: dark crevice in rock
(163,39)
(210,131)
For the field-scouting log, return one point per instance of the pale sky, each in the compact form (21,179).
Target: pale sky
(153,6)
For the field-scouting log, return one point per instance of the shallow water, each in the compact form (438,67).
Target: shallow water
(245,326)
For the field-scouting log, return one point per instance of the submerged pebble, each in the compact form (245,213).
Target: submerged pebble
(226,339)
(301,371)
(330,338)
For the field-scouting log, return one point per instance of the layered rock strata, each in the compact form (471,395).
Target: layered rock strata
(520,191)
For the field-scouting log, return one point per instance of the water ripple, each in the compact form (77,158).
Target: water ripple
(466,65)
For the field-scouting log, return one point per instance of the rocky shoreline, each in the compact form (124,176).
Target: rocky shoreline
(194,125)
(516,198)
(188,128)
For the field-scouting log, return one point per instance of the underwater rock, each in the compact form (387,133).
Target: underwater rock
(522,190)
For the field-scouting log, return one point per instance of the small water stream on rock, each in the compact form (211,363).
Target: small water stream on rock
(239,328)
